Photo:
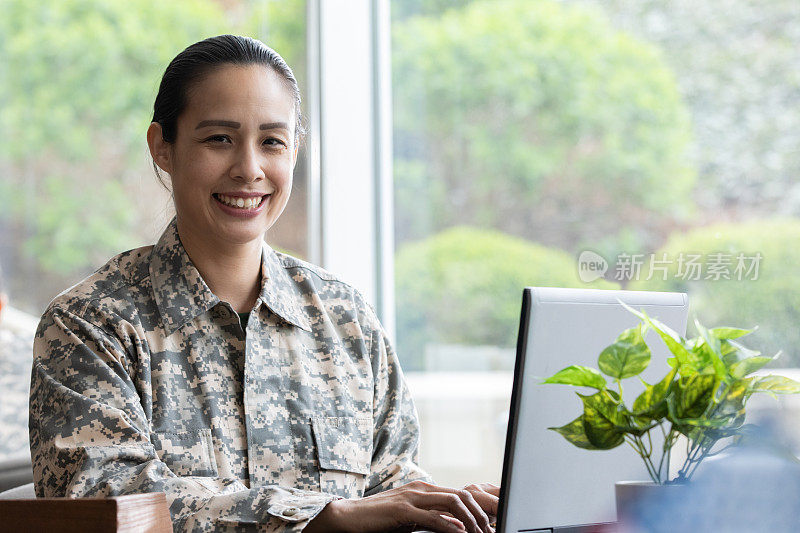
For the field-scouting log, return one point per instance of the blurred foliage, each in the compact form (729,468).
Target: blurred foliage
(404,9)
(78,104)
(736,64)
(771,301)
(79,80)
(281,24)
(464,285)
(536,119)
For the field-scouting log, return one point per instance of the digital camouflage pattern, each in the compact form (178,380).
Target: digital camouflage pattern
(144,381)
(16,353)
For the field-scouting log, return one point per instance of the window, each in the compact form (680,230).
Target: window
(78,186)
(658,139)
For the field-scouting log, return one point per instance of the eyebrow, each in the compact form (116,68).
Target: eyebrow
(224,123)
(237,125)
(274,126)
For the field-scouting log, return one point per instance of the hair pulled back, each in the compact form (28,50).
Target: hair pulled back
(202,58)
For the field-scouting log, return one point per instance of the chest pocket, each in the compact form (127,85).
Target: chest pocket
(187,453)
(344,452)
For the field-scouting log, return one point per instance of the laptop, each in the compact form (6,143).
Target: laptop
(549,485)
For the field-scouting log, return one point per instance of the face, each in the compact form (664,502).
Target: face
(232,161)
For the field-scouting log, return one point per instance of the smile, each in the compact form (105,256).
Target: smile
(239,202)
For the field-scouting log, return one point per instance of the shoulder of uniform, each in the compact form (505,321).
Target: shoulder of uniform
(327,283)
(118,274)
(290,262)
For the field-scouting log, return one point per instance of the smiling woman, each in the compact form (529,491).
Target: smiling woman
(230,166)
(256,390)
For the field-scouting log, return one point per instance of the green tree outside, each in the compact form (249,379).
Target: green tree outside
(79,101)
(538,120)
(79,83)
(771,301)
(464,286)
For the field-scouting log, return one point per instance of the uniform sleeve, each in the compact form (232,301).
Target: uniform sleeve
(396,436)
(90,437)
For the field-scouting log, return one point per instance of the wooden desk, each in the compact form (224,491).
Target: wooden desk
(142,513)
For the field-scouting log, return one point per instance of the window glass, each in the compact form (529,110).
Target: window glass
(656,139)
(79,83)
(77,184)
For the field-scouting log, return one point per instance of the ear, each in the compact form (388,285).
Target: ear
(294,157)
(160,150)
(3,299)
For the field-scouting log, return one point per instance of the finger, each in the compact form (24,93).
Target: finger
(446,502)
(475,508)
(449,501)
(491,488)
(494,490)
(454,520)
(432,520)
(487,501)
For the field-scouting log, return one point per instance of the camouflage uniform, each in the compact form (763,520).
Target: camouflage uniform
(16,349)
(144,381)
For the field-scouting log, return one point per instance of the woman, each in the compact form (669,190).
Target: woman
(257,391)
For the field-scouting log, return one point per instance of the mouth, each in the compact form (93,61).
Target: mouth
(239,202)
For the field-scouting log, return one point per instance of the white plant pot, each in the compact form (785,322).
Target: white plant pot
(630,493)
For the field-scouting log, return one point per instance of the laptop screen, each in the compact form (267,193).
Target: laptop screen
(547,482)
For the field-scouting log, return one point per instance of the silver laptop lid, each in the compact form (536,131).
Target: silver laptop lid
(547,482)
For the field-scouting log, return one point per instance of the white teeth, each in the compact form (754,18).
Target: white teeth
(241,203)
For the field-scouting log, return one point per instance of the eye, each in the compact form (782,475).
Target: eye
(218,139)
(274,142)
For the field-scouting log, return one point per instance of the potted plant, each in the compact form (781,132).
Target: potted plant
(702,397)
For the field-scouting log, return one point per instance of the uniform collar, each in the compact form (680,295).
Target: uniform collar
(181,294)
(280,292)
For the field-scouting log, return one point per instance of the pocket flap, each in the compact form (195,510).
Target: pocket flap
(343,443)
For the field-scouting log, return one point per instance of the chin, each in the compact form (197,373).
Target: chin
(244,236)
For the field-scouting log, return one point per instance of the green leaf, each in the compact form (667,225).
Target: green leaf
(733,352)
(575,434)
(747,366)
(729,333)
(712,341)
(726,348)
(627,357)
(674,342)
(579,376)
(705,423)
(731,407)
(607,405)
(600,423)
(775,384)
(652,401)
(711,352)
(693,395)
(709,361)
(737,391)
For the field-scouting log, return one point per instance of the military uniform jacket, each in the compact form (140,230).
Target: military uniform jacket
(144,381)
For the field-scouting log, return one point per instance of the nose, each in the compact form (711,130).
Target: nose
(248,165)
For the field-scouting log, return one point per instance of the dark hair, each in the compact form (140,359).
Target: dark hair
(203,57)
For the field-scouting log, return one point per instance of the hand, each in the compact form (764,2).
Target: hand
(417,505)
(488,497)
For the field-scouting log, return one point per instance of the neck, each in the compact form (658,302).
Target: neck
(232,271)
